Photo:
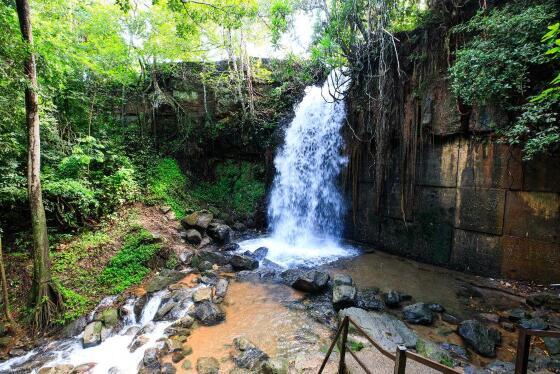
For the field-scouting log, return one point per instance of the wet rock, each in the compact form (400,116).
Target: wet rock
(456,351)
(515,315)
(221,289)
(178,356)
(230,247)
(306,281)
(534,324)
(344,296)
(260,253)
(184,322)
(544,300)
(393,299)
(137,342)
(193,236)
(242,344)
(202,294)
(369,299)
(418,314)
(92,334)
(198,220)
(271,265)
(219,258)
(74,328)
(177,331)
(342,279)
(106,333)
(436,308)
(150,362)
(208,313)
(168,369)
(275,366)
(479,337)
(552,345)
(187,365)
(164,279)
(139,306)
(164,310)
(385,329)
(221,233)
(206,241)
(148,328)
(496,367)
(250,358)
(244,262)
(58,369)
(110,317)
(450,318)
(185,256)
(207,365)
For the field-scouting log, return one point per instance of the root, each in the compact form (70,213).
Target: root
(48,304)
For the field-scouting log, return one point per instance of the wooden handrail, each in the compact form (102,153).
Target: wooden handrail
(524,346)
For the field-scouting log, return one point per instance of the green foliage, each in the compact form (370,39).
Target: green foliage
(130,265)
(75,305)
(493,67)
(168,184)
(279,12)
(355,346)
(237,188)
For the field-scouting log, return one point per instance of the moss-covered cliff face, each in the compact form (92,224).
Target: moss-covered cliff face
(445,189)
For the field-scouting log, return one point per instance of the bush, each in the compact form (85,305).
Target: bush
(168,184)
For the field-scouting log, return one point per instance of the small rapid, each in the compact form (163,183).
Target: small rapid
(306,209)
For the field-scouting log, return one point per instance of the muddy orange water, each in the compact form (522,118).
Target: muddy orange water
(258,312)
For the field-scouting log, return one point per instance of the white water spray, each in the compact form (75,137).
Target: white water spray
(306,206)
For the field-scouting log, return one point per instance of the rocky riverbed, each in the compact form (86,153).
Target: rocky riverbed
(228,309)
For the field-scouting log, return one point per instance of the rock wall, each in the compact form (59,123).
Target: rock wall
(475,206)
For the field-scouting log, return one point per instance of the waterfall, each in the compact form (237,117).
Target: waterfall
(305,202)
(306,207)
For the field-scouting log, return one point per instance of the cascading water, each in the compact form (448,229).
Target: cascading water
(306,207)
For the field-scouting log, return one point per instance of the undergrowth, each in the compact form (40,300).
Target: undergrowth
(167,184)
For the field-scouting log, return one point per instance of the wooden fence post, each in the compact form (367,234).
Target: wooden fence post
(341,364)
(400,360)
(523,346)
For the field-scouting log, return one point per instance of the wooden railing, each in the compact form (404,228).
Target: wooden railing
(400,356)
(524,345)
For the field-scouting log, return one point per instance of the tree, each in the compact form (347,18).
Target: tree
(5,299)
(46,298)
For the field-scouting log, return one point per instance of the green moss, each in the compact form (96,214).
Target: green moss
(167,184)
(130,265)
(355,346)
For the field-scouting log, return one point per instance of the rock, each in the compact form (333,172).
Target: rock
(450,318)
(479,337)
(164,279)
(199,220)
(344,296)
(193,236)
(250,358)
(187,365)
(220,232)
(260,253)
(515,315)
(275,366)
(271,265)
(418,314)
(139,306)
(184,322)
(455,350)
(151,359)
(242,344)
(137,342)
(306,281)
(185,256)
(436,308)
(213,257)
(178,356)
(106,333)
(168,369)
(202,294)
(433,351)
(490,317)
(534,324)
(208,313)
(368,299)
(230,247)
(83,368)
(552,345)
(92,334)
(383,328)
(177,331)
(74,328)
(164,309)
(164,209)
(58,369)
(392,299)
(110,317)
(221,288)
(508,326)
(243,262)
(207,365)
(342,279)
(545,300)
(206,241)
(468,291)
(238,226)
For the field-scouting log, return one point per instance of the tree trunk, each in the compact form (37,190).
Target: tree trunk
(46,298)
(5,299)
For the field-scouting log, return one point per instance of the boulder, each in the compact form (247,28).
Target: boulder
(342,279)
(479,337)
(275,366)
(250,358)
(193,236)
(151,360)
(208,313)
(450,318)
(220,232)
(260,253)
(244,262)
(198,220)
(185,256)
(386,330)
(164,309)
(202,294)
(137,342)
(437,308)
(369,299)
(213,257)
(306,281)
(92,334)
(534,324)
(164,279)
(110,317)
(221,288)
(74,328)
(515,315)
(230,247)
(207,365)
(184,322)
(238,226)
(168,368)
(344,296)
(418,314)
(392,299)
